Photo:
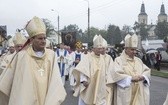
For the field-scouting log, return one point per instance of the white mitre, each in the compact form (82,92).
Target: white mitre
(10,42)
(19,38)
(35,27)
(131,41)
(95,37)
(104,43)
(48,43)
(98,42)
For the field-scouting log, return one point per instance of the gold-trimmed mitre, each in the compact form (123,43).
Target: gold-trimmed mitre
(35,27)
(19,38)
(98,42)
(131,41)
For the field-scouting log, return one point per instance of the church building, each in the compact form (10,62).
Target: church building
(143,19)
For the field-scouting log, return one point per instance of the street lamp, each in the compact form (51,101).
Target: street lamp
(58,24)
(88,19)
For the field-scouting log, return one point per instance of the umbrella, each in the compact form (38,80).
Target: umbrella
(151,51)
(161,49)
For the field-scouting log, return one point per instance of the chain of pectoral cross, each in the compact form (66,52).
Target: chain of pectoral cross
(132,65)
(40,66)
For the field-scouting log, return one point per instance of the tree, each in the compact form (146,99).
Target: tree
(71,28)
(79,33)
(103,33)
(161,29)
(141,29)
(126,30)
(136,26)
(49,27)
(113,35)
(95,31)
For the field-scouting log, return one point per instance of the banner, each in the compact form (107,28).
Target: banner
(69,39)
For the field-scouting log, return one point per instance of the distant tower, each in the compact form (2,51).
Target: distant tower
(143,17)
(162,16)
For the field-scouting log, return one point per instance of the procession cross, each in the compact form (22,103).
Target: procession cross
(41,72)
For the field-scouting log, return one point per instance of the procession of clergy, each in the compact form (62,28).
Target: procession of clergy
(33,74)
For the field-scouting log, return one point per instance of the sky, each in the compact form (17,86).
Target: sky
(16,13)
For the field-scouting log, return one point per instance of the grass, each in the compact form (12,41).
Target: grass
(159,73)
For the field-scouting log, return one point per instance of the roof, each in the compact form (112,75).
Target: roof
(152,44)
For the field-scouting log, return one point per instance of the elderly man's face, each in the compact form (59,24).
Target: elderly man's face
(62,46)
(131,52)
(103,51)
(39,42)
(98,51)
(78,50)
(11,49)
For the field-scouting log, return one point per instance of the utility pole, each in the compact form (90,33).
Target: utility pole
(58,22)
(58,30)
(88,21)
(88,24)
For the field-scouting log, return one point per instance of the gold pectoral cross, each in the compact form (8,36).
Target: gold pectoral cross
(41,72)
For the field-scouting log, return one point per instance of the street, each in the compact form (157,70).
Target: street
(158,89)
(158,92)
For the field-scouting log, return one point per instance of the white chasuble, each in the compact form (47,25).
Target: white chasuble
(33,80)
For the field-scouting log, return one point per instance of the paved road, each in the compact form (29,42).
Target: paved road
(158,89)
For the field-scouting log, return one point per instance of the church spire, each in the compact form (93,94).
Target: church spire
(162,16)
(142,17)
(142,12)
(162,10)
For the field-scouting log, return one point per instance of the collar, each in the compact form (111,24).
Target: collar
(126,56)
(77,52)
(94,55)
(39,54)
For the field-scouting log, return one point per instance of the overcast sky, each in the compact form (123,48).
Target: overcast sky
(16,13)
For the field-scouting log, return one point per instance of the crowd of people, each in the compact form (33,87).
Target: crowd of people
(33,73)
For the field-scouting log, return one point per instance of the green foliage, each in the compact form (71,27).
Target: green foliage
(141,29)
(126,30)
(143,32)
(161,30)
(113,35)
(159,73)
(49,27)
(103,33)
(93,32)
(74,28)
(71,28)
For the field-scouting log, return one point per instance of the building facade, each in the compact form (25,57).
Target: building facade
(143,19)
